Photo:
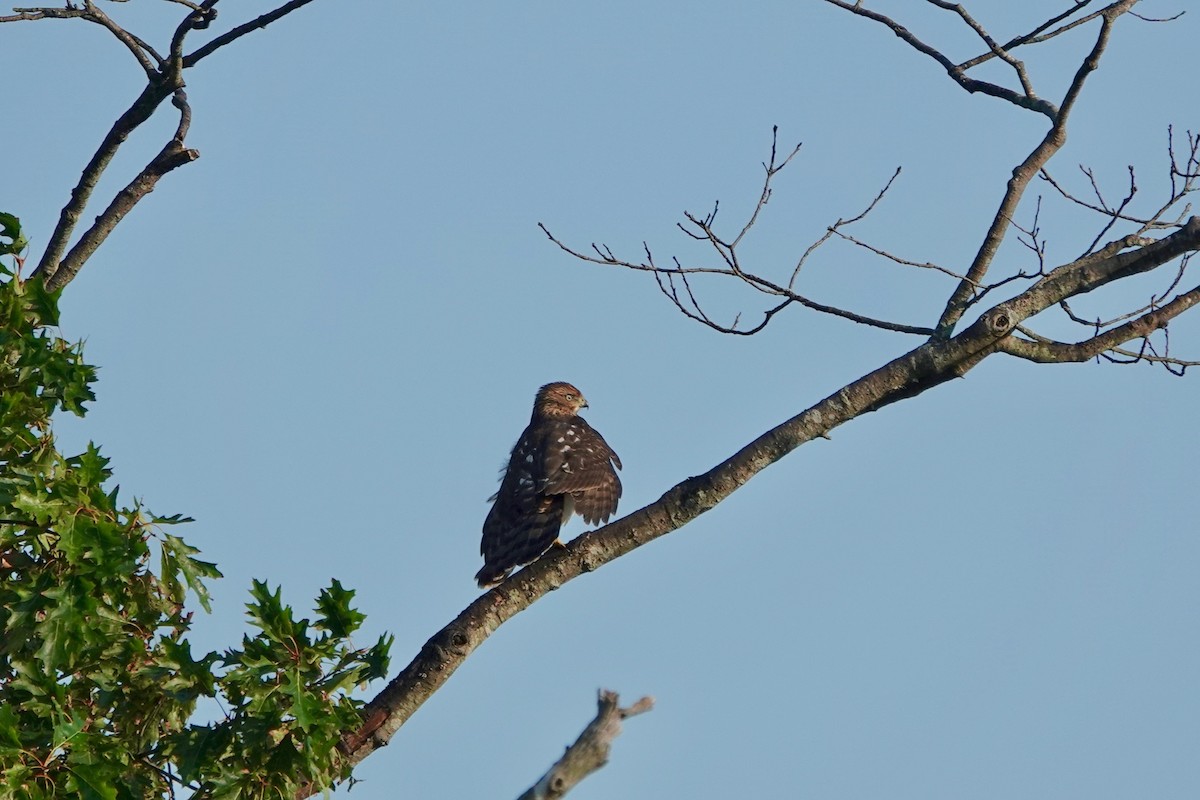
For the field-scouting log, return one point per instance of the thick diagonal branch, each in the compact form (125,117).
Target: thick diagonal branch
(929,365)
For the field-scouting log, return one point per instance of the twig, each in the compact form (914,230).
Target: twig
(1155,301)
(1113,214)
(1036,35)
(1031,238)
(771,169)
(837,226)
(1045,175)
(1047,351)
(904,262)
(995,49)
(255,24)
(605,257)
(144,53)
(1145,18)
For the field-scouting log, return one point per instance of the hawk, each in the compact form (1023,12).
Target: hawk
(558,467)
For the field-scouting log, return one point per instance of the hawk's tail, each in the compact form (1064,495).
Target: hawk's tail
(491,575)
(508,544)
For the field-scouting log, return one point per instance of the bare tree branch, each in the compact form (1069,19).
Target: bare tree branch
(675,282)
(771,169)
(1182,178)
(956,72)
(1120,355)
(255,24)
(34,14)
(164,78)
(1045,351)
(667,275)
(669,279)
(1155,302)
(92,13)
(934,362)
(144,53)
(137,113)
(960,300)
(590,751)
(171,156)
(200,17)
(994,48)
(1145,18)
(904,262)
(1114,214)
(1038,34)
(835,228)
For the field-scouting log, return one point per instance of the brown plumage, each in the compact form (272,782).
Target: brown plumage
(559,466)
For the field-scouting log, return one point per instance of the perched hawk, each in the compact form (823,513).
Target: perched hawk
(559,466)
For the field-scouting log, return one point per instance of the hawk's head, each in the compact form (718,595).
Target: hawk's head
(558,400)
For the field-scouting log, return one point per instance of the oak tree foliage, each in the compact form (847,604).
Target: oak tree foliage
(99,686)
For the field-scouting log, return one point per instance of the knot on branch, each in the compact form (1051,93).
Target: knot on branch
(203,18)
(999,321)
(450,645)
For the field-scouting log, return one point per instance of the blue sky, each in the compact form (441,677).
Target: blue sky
(321,339)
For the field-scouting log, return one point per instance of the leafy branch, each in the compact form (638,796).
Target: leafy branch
(98,683)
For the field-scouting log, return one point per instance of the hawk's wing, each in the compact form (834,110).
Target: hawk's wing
(580,463)
(556,467)
(524,520)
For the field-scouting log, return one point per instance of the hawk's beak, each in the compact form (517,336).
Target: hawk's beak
(584,402)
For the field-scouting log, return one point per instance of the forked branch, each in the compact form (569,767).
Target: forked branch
(961,299)
(675,281)
(1024,98)
(1047,351)
(1183,174)
(164,79)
